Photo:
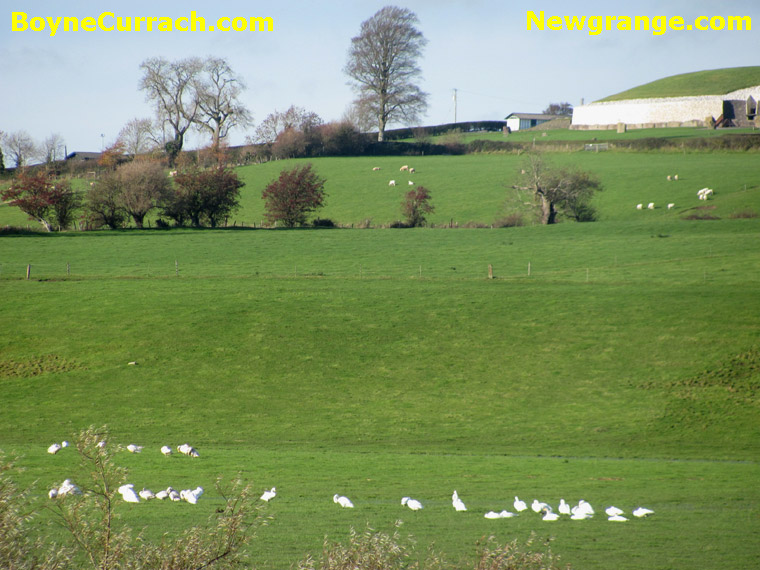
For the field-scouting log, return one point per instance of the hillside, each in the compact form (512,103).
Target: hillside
(709,82)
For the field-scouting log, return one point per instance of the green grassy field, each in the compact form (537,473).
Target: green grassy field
(709,82)
(614,361)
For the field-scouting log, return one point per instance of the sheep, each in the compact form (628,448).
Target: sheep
(392,183)
(650,206)
(411,171)
(669,178)
(411,183)
(671,206)
(675,177)
(639,206)
(376,168)
(172,174)
(705,193)
(405,167)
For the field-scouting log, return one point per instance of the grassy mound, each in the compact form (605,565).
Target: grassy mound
(709,82)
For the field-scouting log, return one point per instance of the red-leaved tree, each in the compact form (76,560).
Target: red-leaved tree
(416,206)
(51,203)
(296,193)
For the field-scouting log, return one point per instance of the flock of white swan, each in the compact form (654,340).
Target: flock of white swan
(583,510)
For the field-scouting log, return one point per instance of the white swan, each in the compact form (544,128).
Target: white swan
(344,502)
(55,448)
(413,504)
(613,511)
(269,495)
(128,493)
(166,450)
(564,508)
(519,505)
(457,502)
(642,512)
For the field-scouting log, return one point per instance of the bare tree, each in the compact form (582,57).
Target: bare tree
(561,109)
(171,87)
(558,190)
(19,147)
(276,123)
(144,185)
(137,137)
(51,149)
(382,62)
(220,109)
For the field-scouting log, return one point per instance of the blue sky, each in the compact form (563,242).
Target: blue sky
(85,84)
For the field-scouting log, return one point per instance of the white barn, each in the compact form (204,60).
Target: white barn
(738,108)
(520,121)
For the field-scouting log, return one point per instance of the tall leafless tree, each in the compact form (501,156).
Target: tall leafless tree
(51,149)
(171,87)
(19,147)
(138,136)
(382,62)
(220,108)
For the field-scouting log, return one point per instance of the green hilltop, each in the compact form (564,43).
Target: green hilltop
(709,82)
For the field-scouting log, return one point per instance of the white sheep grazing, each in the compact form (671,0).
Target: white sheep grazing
(411,171)
(639,206)
(411,183)
(376,168)
(669,178)
(172,174)
(650,206)
(704,193)
(675,177)
(392,183)
(671,206)
(405,167)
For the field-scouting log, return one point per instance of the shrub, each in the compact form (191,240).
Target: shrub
(509,221)
(514,556)
(323,223)
(295,194)
(416,206)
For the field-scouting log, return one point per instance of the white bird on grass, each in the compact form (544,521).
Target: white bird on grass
(642,512)
(519,505)
(413,504)
(68,487)
(617,518)
(538,506)
(564,508)
(53,493)
(187,449)
(132,448)
(166,450)
(191,495)
(583,507)
(128,493)
(55,448)
(344,502)
(549,516)
(161,495)
(269,495)
(457,502)
(613,511)
(147,494)
(64,443)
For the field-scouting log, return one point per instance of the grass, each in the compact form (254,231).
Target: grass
(383,384)
(381,363)
(709,82)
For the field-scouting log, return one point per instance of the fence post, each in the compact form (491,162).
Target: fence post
(176,268)
(490,271)
(28,272)
(529,269)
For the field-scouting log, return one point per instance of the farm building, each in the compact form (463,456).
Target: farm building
(521,121)
(735,109)
(724,97)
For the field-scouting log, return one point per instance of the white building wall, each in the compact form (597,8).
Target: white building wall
(647,112)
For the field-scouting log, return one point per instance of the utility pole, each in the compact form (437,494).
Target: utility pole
(455,105)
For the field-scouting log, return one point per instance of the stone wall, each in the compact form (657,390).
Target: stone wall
(662,112)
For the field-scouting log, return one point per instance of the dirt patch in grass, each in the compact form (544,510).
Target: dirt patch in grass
(36,366)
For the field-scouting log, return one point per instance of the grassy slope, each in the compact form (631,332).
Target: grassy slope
(709,82)
(380,387)
(320,362)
